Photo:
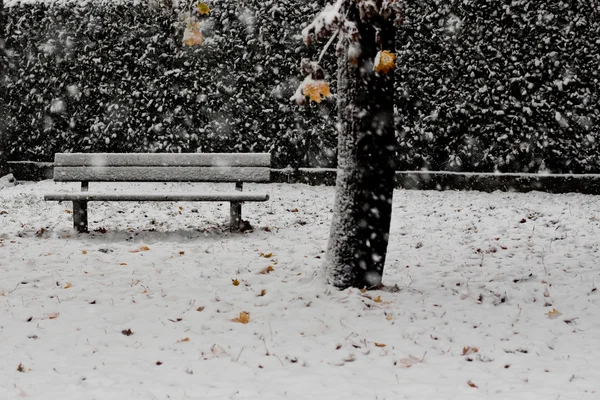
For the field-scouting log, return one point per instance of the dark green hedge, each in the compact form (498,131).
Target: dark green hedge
(509,85)
(482,85)
(116,77)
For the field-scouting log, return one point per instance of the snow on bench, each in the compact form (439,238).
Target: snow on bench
(152,167)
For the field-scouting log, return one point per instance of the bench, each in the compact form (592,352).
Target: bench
(155,167)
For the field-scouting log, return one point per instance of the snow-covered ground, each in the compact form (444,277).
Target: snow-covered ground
(498,300)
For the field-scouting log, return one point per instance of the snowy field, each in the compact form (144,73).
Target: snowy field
(498,299)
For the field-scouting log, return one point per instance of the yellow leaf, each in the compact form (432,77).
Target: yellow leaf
(68,211)
(203,9)
(123,263)
(389,317)
(144,248)
(244,318)
(53,315)
(379,344)
(315,89)
(384,61)
(553,314)
(192,35)
(185,339)
(377,299)
(83,251)
(263,292)
(235,282)
(363,290)
(266,270)
(68,285)
(266,255)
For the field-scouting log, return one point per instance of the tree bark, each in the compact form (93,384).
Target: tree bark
(366,168)
(3,111)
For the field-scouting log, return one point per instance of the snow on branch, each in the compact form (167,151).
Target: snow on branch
(325,23)
(334,21)
(333,17)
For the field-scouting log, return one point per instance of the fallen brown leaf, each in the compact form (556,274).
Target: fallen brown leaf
(244,318)
(553,314)
(141,248)
(266,270)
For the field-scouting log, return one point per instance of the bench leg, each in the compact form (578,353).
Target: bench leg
(80,216)
(235,215)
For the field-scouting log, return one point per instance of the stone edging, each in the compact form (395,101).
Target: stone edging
(416,180)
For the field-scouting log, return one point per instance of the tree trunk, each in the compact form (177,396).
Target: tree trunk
(3,111)
(366,168)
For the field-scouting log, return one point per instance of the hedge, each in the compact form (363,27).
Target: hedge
(482,85)
(115,76)
(500,85)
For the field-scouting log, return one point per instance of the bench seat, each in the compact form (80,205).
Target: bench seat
(132,196)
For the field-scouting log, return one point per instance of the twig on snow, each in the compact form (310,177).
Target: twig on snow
(239,355)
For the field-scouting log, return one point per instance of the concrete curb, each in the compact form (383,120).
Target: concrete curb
(441,180)
(414,180)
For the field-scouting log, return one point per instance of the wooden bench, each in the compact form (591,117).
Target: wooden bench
(155,167)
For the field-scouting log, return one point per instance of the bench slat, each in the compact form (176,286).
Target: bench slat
(132,196)
(162,174)
(162,159)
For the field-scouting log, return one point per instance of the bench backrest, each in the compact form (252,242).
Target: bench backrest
(165,167)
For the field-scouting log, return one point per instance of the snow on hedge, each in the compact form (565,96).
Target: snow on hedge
(481,85)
